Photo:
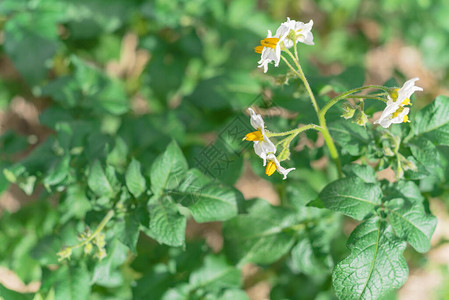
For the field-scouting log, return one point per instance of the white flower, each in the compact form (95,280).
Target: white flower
(288,34)
(395,112)
(274,165)
(262,144)
(270,50)
(295,31)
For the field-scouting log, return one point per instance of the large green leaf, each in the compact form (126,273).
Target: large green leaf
(166,226)
(262,236)
(375,265)
(352,197)
(433,121)
(168,170)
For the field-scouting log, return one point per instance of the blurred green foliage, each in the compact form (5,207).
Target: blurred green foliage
(127,128)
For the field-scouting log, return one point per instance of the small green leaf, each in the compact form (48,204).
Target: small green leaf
(375,265)
(262,236)
(134,179)
(59,172)
(166,226)
(215,274)
(168,170)
(351,196)
(128,230)
(413,224)
(433,121)
(100,182)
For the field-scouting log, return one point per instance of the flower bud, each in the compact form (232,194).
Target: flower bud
(349,111)
(101,253)
(408,164)
(88,248)
(99,240)
(64,253)
(361,118)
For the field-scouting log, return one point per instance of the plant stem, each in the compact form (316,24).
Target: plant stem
(294,131)
(304,80)
(100,227)
(322,121)
(290,66)
(348,95)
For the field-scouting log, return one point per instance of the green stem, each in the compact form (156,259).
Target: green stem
(304,80)
(290,66)
(100,227)
(294,131)
(322,122)
(330,144)
(348,95)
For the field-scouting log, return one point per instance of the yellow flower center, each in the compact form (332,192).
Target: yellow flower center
(267,42)
(254,136)
(271,167)
(397,112)
(406,101)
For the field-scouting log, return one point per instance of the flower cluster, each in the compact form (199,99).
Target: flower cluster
(263,147)
(287,35)
(396,111)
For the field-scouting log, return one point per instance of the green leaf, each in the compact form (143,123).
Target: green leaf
(311,255)
(26,29)
(59,172)
(134,179)
(375,265)
(364,172)
(298,195)
(128,230)
(8,294)
(168,170)
(425,152)
(166,226)
(73,282)
(433,121)
(206,201)
(105,273)
(103,184)
(352,197)
(262,236)
(215,274)
(412,224)
(350,136)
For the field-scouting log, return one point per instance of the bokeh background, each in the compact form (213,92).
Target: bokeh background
(183,69)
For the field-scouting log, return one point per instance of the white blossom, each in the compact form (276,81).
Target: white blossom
(262,144)
(395,112)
